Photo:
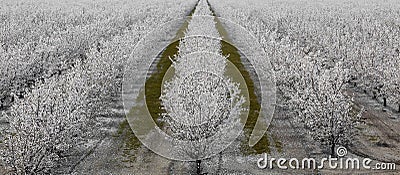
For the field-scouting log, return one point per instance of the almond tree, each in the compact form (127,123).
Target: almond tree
(198,107)
(57,116)
(391,79)
(321,104)
(46,125)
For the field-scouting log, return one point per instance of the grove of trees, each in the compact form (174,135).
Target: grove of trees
(200,101)
(61,63)
(319,51)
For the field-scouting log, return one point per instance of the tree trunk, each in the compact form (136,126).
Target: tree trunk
(198,167)
(384,102)
(333,149)
(399,108)
(333,144)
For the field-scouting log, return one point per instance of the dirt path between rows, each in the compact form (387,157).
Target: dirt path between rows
(379,135)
